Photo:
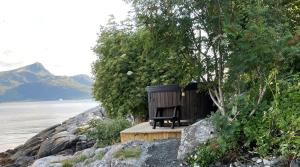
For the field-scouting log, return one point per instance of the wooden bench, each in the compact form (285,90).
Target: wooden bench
(158,117)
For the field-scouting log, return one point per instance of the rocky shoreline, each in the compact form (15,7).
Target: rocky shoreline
(60,139)
(64,144)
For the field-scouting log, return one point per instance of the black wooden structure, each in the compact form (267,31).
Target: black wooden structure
(159,116)
(193,104)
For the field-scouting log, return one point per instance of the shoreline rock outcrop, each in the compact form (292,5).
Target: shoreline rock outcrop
(60,139)
(152,154)
(64,145)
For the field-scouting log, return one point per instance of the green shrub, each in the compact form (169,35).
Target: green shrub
(228,130)
(278,132)
(79,159)
(206,154)
(100,156)
(134,152)
(285,116)
(107,132)
(128,60)
(73,161)
(67,164)
(273,130)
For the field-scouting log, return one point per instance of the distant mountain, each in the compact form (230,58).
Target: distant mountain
(83,79)
(34,82)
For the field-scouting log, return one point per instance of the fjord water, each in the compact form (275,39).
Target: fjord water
(21,120)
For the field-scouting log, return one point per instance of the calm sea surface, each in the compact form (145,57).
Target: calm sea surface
(21,120)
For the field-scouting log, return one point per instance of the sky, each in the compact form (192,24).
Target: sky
(57,33)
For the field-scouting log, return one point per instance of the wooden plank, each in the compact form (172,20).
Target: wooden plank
(145,132)
(149,136)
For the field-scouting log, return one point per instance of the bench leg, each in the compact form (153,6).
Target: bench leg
(154,125)
(173,123)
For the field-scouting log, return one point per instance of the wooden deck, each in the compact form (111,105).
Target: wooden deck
(144,131)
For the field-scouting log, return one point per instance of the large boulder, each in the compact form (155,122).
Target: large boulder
(57,143)
(64,138)
(50,161)
(194,135)
(152,154)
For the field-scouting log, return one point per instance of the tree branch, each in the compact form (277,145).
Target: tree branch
(262,90)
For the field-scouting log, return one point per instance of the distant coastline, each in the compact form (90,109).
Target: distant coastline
(35,83)
(64,100)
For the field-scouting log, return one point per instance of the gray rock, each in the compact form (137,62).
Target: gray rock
(57,143)
(20,161)
(266,162)
(102,150)
(163,153)
(218,164)
(295,163)
(98,163)
(50,161)
(83,119)
(259,161)
(59,139)
(82,137)
(90,152)
(153,154)
(194,135)
(237,164)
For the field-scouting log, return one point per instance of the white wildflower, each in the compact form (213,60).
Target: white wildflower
(129,73)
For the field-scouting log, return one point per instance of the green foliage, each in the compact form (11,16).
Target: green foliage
(128,61)
(292,11)
(73,161)
(229,133)
(79,159)
(206,154)
(273,130)
(67,164)
(100,156)
(134,152)
(218,148)
(117,75)
(287,118)
(107,132)
(245,52)
(278,130)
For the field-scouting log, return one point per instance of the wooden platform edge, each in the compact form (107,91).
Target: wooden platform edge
(149,136)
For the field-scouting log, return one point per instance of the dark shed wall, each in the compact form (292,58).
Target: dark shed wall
(195,105)
(163,96)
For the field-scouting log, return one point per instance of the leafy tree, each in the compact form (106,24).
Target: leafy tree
(292,8)
(117,73)
(239,49)
(129,60)
(242,50)
(200,37)
(222,39)
(259,46)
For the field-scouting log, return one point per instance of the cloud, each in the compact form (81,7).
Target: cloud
(59,34)
(7,52)
(9,65)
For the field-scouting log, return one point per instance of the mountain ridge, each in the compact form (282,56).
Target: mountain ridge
(35,82)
